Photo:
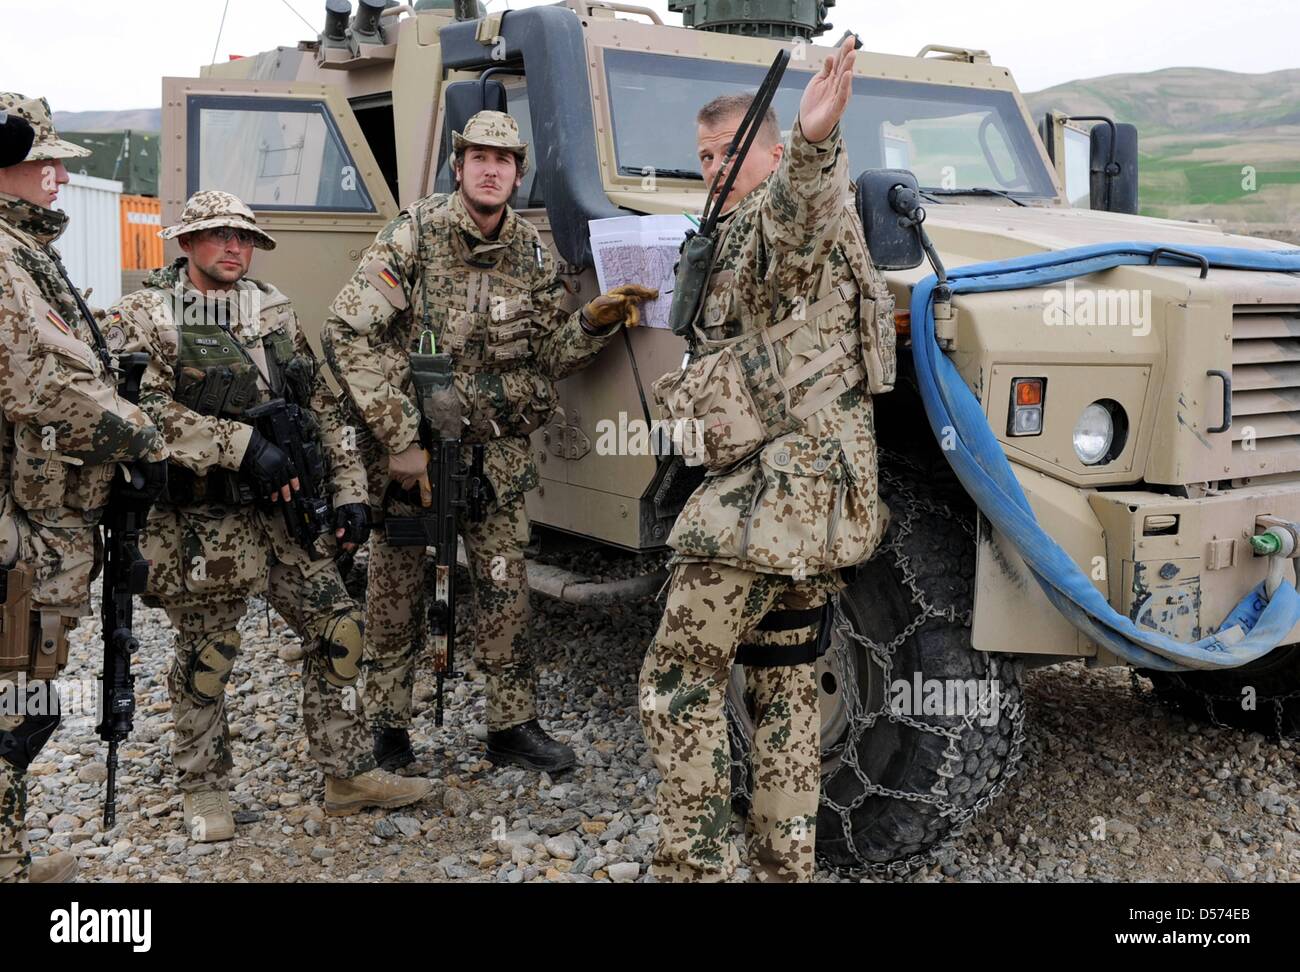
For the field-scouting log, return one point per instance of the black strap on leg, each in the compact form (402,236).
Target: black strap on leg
(757,655)
(20,746)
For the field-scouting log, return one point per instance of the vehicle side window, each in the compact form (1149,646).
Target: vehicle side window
(273,153)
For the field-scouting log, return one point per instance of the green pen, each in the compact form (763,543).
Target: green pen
(693,219)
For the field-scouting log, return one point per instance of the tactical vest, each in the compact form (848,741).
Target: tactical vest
(744,387)
(217,376)
(480,310)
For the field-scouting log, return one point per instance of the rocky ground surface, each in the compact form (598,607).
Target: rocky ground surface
(1179,801)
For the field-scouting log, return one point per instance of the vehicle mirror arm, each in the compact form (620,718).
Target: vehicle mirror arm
(906,202)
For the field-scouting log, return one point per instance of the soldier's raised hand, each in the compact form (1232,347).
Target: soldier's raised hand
(828,93)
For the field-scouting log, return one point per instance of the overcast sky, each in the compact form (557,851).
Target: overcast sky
(109,54)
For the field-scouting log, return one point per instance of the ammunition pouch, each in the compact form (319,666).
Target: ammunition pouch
(219,390)
(511,329)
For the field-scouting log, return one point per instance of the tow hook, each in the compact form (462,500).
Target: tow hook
(1277,539)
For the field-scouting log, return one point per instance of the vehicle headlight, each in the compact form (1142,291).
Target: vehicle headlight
(1094,434)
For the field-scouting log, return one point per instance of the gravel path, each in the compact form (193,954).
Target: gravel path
(1179,801)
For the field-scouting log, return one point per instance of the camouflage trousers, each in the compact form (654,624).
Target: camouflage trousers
(333,717)
(711,610)
(395,591)
(61,548)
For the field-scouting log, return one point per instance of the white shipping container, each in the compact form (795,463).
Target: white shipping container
(91,246)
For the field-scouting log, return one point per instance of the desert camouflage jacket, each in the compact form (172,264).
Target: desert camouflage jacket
(493,304)
(65,427)
(263,322)
(790,284)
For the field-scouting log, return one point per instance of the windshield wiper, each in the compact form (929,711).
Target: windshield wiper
(978,191)
(636,170)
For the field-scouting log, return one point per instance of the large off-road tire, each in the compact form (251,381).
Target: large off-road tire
(898,785)
(1263,696)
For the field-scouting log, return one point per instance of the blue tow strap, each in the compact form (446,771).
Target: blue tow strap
(1253,628)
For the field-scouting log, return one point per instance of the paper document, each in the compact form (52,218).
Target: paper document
(639,250)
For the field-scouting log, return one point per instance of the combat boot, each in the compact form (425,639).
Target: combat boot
(208,817)
(393,748)
(375,788)
(57,868)
(528,745)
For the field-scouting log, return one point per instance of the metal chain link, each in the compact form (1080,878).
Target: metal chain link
(1150,699)
(906,508)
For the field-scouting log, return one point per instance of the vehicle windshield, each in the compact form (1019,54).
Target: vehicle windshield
(950,137)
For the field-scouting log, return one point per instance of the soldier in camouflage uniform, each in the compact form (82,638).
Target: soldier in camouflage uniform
(220,343)
(64,430)
(465,267)
(788,347)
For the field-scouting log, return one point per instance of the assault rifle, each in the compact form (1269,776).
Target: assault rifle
(458,490)
(295,432)
(126,573)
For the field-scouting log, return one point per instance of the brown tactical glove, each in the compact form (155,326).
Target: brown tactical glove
(619,306)
(411,466)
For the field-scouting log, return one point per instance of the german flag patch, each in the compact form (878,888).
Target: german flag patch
(388,277)
(53,317)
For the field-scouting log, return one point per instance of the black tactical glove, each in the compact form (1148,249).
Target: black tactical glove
(354,520)
(267,466)
(145,484)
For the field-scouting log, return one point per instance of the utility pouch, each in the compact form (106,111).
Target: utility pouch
(711,399)
(879,339)
(49,643)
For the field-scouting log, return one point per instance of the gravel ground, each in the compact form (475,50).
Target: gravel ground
(1179,801)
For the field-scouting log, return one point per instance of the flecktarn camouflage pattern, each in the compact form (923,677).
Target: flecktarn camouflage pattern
(779,382)
(65,428)
(209,556)
(211,208)
(47,145)
(494,129)
(495,306)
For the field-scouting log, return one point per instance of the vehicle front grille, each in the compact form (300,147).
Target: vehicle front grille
(1265,388)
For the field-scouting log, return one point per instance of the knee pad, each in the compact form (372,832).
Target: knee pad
(211,662)
(339,640)
(19,746)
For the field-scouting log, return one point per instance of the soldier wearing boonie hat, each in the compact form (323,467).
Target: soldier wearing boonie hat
(65,432)
(492,129)
(219,343)
(212,208)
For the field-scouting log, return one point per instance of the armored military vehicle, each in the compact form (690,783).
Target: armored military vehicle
(1156,437)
